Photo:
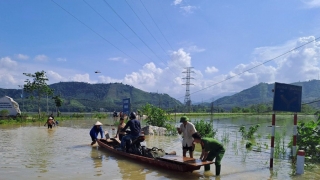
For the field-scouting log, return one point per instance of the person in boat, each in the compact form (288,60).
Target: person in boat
(94,132)
(121,125)
(135,129)
(187,129)
(211,148)
(50,122)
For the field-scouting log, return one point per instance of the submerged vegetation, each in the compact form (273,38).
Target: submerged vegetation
(308,139)
(248,134)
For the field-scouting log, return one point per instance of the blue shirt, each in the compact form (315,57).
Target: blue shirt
(135,127)
(94,132)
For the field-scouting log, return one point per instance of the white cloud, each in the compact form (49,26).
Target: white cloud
(180,59)
(312,3)
(62,59)
(177,2)
(54,76)
(81,78)
(147,76)
(7,72)
(300,65)
(211,69)
(188,9)
(22,56)
(106,79)
(41,58)
(118,59)
(6,62)
(195,49)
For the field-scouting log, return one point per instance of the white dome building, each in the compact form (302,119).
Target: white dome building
(9,104)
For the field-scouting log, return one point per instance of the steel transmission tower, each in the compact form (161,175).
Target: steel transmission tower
(187,99)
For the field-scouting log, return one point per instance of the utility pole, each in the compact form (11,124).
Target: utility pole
(212,109)
(187,99)
(47,105)
(21,86)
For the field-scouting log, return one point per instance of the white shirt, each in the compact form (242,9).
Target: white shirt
(187,131)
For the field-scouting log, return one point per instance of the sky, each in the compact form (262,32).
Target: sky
(230,45)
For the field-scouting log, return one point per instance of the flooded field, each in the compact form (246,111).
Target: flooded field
(31,151)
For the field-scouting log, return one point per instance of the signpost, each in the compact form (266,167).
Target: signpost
(287,98)
(126,106)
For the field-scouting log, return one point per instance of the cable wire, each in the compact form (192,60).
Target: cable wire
(95,32)
(255,66)
(135,32)
(115,28)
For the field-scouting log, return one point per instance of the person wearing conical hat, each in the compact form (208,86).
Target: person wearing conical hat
(187,129)
(94,132)
(50,122)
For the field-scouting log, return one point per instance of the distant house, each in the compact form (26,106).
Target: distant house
(9,104)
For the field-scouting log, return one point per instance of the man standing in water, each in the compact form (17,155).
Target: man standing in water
(94,132)
(50,122)
(187,129)
(211,148)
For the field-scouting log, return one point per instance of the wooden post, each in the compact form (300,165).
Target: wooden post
(272,138)
(294,141)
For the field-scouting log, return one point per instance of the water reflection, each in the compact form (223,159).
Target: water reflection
(96,157)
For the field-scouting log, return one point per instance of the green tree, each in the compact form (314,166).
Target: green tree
(158,117)
(205,128)
(58,102)
(37,87)
(155,115)
(236,109)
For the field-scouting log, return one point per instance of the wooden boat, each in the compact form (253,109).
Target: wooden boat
(171,162)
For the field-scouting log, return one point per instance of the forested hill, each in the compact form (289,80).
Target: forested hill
(262,94)
(79,96)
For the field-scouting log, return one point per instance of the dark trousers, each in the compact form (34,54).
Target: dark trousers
(121,136)
(217,155)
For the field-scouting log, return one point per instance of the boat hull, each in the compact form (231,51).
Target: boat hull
(156,162)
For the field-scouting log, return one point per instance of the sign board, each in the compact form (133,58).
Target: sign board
(287,97)
(126,106)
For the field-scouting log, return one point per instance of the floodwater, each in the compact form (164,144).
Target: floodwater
(31,151)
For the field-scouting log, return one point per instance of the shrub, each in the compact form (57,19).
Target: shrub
(248,134)
(205,128)
(4,112)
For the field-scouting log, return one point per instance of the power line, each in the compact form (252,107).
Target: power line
(115,29)
(159,31)
(256,66)
(95,31)
(136,33)
(156,24)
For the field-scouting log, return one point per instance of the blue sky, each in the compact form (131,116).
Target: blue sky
(148,43)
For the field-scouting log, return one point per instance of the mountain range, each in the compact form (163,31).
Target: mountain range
(80,96)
